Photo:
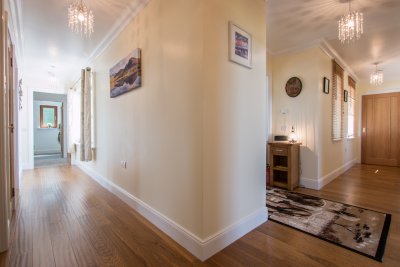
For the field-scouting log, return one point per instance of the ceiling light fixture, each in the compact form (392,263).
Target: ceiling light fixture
(351,26)
(80,18)
(376,77)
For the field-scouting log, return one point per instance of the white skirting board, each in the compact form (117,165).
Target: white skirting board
(201,248)
(318,184)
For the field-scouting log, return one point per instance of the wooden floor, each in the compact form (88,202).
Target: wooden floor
(66,219)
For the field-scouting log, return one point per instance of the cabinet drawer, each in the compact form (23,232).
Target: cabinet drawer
(282,151)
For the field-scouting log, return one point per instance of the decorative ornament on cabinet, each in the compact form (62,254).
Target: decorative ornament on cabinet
(292,136)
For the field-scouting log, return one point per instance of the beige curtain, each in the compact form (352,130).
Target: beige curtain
(86,118)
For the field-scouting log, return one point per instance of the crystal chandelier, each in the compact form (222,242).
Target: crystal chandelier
(376,77)
(80,18)
(351,26)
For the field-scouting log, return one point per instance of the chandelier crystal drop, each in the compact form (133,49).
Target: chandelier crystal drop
(80,18)
(351,26)
(376,77)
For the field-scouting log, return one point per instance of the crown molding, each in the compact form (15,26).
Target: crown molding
(333,54)
(295,49)
(118,27)
(325,47)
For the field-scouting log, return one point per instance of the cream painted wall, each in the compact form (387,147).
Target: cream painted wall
(310,113)
(300,111)
(23,130)
(234,116)
(386,87)
(156,129)
(332,154)
(193,135)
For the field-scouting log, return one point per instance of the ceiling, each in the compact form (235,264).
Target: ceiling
(293,25)
(48,42)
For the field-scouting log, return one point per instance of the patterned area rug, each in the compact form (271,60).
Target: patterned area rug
(360,230)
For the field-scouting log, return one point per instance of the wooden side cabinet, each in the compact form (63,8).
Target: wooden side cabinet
(284,164)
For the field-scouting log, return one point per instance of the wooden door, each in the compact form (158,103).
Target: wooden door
(380,129)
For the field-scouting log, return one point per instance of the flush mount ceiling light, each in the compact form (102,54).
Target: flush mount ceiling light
(80,18)
(351,26)
(376,77)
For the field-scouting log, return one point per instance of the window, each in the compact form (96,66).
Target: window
(351,107)
(48,116)
(337,101)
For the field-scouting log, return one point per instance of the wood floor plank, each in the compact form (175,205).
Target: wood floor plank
(107,254)
(62,247)
(360,186)
(64,218)
(42,246)
(255,244)
(83,249)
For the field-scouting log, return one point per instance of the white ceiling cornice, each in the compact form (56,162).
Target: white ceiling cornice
(118,27)
(296,49)
(333,54)
(324,46)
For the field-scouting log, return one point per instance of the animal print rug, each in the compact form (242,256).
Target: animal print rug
(360,230)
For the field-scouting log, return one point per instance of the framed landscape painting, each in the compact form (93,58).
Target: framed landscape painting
(126,75)
(240,44)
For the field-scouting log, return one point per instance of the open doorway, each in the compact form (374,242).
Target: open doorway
(49,129)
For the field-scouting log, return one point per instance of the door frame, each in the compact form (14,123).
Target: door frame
(37,95)
(12,124)
(62,130)
(4,181)
(359,112)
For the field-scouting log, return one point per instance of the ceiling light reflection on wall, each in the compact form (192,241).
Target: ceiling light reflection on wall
(53,80)
(376,77)
(80,18)
(351,26)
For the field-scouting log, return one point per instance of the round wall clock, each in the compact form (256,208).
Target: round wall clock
(293,87)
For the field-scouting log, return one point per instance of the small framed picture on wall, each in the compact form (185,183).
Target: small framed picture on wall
(240,46)
(326,86)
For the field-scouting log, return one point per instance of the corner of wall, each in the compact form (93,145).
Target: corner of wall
(201,248)
(322,181)
(168,116)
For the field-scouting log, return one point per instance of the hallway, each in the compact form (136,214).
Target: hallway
(66,219)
